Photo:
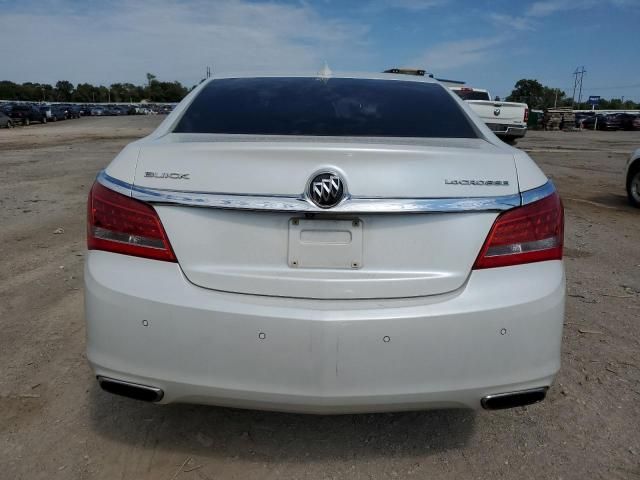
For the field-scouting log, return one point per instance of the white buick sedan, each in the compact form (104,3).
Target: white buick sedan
(325,244)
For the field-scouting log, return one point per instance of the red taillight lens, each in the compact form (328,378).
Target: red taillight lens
(532,233)
(526,115)
(117,223)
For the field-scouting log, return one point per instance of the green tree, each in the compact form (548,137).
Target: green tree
(8,90)
(84,92)
(527,91)
(64,91)
(536,95)
(613,104)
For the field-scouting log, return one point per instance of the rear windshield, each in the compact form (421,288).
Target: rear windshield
(326,107)
(472,95)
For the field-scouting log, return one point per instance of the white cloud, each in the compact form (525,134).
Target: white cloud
(124,40)
(411,5)
(508,21)
(547,7)
(415,4)
(544,8)
(459,53)
(532,16)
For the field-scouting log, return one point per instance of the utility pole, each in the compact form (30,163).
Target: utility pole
(208,73)
(577,84)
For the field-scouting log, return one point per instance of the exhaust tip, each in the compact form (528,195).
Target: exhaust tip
(130,390)
(500,401)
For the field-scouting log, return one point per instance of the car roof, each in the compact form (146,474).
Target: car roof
(329,75)
(470,89)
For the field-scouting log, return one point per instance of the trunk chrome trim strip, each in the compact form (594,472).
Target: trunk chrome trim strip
(351,204)
(530,196)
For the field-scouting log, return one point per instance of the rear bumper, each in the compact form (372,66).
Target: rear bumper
(146,324)
(513,131)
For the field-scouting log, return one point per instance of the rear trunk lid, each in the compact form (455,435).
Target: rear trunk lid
(325,255)
(501,113)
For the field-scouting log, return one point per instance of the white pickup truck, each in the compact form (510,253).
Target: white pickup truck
(508,120)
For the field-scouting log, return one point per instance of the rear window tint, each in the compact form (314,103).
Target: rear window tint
(472,95)
(325,107)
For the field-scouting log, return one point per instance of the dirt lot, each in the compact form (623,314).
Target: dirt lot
(56,424)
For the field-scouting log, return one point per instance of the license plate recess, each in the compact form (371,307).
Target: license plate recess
(324,243)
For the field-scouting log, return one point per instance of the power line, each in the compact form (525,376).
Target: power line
(618,87)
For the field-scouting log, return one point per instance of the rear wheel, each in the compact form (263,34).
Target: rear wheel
(633,186)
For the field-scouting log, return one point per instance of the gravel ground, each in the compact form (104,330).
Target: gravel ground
(55,423)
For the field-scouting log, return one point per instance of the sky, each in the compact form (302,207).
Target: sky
(488,44)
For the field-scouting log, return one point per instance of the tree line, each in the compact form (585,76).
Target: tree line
(539,96)
(528,91)
(65,91)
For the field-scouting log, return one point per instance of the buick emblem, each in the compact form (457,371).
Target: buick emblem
(326,189)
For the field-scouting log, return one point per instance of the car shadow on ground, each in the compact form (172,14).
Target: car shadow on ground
(229,433)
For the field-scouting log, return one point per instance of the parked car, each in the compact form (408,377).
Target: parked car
(508,120)
(58,112)
(117,111)
(5,121)
(71,111)
(355,244)
(580,116)
(26,114)
(601,122)
(629,121)
(46,109)
(85,110)
(98,111)
(633,178)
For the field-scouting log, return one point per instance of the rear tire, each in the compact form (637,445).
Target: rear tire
(633,186)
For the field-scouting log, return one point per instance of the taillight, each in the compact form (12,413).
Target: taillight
(526,115)
(117,223)
(531,233)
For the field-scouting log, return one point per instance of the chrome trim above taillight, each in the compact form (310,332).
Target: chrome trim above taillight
(530,196)
(351,204)
(114,184)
